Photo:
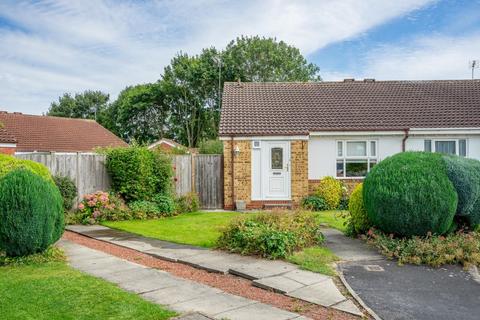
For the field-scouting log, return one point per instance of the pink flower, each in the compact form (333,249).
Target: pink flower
(81,206)
(96,214)
(91,203)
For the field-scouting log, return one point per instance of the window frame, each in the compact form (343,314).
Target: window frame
(369,157)
(433,146)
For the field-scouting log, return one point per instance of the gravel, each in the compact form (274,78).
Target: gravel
(228,283)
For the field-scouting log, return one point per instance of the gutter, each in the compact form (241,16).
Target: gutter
(405,137)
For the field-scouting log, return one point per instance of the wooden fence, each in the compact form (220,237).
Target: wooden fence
(202,174)
(87,170)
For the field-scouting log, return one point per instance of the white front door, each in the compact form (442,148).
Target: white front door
(276,170)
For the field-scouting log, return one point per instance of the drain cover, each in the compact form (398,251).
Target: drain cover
(373,267)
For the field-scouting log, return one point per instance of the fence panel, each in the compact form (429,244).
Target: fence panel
(209,180)
(183,174)
(87,170)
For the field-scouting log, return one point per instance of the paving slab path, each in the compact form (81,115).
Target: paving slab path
(279,276)
(198,301)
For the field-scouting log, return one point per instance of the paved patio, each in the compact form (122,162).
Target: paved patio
(198,301)
(279,276)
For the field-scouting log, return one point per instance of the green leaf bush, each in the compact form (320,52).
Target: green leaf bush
(187,203)
(271,234)
(165,204)
(410,194)
(31,213)
(9,163)
(68,190)
(331,190)
(138,173)
(143,209)
(358,214)
(314,203)
(211,147)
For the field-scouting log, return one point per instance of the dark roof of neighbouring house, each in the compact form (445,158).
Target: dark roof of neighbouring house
(292,108)
(44,133)
(5,137)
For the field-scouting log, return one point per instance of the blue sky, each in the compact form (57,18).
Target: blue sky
(56,46)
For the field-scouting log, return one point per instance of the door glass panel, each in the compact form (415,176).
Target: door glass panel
(356,148)
(447,147)
(277,158)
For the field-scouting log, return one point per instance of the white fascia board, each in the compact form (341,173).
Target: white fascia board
(8,145)
(356,133)
(264,138)
(443,131)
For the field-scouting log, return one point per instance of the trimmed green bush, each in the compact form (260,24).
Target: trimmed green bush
(314,203)
(410,194)
(331,190)
(465,176)
(9,163)
(31,213)
(68,190)
(271,234)
(358,214)
(144,209)
(211,147)
(138,173)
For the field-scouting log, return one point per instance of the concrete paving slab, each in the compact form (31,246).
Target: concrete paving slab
(100,267)
(212,304)
(324,293)
(193,316)
(349,307)
(136,275)
(306,277)
(257,311)
(216,261)
(279,284)
(173,254)
(349,249)
(262,269)
(186,290)
(152,283)
(84,228)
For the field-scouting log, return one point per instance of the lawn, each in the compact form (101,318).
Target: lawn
(197,228)
(204,228)
(55,291)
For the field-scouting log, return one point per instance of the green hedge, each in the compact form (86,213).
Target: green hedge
(31,213)
(358,214)
(138,173)
(410,194)
(9,163)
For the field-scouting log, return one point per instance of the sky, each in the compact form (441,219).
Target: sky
(51,47)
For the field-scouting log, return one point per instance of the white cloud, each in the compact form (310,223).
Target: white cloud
(436,57)
(61,46)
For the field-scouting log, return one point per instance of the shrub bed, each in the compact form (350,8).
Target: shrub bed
(410,194)
(101,206)
(271,235)
(67,189)
(31,213)
(460,247)
(187,203)
(314,203)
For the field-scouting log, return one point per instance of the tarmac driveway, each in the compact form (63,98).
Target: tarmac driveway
(414,292)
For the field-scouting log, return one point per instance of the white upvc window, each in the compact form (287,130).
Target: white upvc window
(446,146)
(355,158)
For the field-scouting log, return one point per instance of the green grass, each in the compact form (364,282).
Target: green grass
(333,218)
(197,228)
(54,291)
(316,259)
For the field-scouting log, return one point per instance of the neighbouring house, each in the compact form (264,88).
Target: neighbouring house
(168,145)
(280,139)
(22,133)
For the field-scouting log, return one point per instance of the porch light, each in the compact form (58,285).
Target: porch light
(236,151)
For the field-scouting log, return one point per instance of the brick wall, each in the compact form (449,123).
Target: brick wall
(7,150)
(242,165)
(299,170)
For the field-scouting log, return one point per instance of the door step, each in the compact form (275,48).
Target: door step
(272,206)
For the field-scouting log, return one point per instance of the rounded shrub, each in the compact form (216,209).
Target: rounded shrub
(68,190)
(410,194)
(314,203)
(9,163)
(31,213)
(465,175)
(358,214)
(331,190)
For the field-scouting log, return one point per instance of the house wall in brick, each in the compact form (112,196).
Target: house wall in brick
(7,150)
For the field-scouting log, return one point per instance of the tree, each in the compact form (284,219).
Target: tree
(256,59)
(138,113)
(86,105)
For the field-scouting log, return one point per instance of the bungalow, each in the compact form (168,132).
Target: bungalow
(21,133)
(280,139)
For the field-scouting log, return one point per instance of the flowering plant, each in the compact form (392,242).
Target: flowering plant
(100,206)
